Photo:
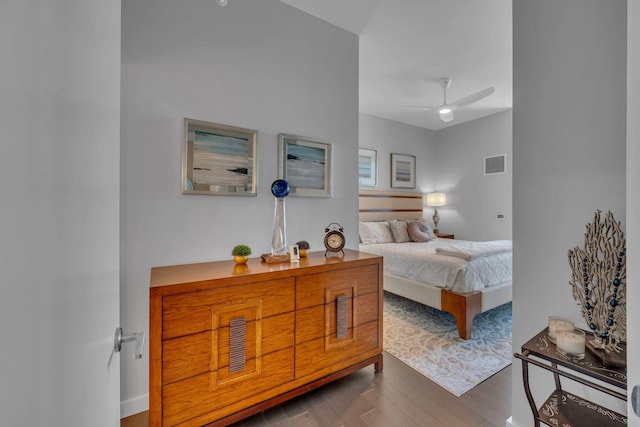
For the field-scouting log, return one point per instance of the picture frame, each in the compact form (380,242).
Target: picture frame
(403,171)
(367,167)
(305,163)
(219,159)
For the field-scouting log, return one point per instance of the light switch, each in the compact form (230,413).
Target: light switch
(500,216)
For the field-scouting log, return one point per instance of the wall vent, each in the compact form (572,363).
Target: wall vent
(495,164)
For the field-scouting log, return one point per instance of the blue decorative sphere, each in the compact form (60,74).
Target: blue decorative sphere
(280,188)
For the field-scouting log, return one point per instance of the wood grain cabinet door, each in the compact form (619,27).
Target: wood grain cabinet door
(336,319)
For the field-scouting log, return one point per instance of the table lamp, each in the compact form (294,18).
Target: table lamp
(435,200)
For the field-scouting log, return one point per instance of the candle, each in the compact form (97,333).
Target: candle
(571,343)
(557,323)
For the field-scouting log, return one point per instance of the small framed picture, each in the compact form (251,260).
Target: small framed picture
(218,159)
(403,171)
(367,167)
(305,163)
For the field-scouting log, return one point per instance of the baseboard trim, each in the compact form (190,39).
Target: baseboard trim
(134,406)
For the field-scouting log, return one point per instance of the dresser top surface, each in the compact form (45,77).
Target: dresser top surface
(198,272)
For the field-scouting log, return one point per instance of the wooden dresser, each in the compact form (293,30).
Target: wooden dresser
(229,341)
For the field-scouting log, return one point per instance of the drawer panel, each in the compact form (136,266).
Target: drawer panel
(312,356)
(185,314)
(196,354)
(312,321)
(310,289)
(203,394)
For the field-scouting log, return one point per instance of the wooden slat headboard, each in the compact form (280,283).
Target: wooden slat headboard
(384,205)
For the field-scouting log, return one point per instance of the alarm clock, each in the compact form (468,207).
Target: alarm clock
(334,240)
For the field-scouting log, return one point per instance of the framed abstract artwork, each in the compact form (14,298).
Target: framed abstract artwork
(305,163)
(367,167)
(218,159)
(403,171)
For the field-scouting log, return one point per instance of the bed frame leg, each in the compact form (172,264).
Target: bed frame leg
(464,308)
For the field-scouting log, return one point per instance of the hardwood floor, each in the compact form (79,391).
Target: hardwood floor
(397,397)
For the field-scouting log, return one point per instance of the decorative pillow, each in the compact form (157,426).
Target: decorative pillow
(418,231)
(399,231)
(424,221)
(375,232)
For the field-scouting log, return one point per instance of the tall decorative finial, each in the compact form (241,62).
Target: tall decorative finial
(280,189)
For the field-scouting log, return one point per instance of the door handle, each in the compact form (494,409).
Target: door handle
(635,400)
(121,338)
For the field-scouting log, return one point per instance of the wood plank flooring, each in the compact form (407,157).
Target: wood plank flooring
(396,397)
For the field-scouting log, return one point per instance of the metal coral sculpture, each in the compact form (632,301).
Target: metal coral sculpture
(599,279)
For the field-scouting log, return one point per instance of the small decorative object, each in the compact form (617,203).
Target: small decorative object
(334,240)
(570,342)
(294,253)
(556,324)
(436,200)
(598,281)
(303,247)
(241,253)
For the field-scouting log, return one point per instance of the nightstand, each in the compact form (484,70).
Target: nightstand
(445,236)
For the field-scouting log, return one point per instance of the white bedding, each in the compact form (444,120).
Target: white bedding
(422,263)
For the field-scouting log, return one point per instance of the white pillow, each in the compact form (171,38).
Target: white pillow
(372,232)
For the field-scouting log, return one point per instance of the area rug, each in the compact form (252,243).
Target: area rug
(427,340)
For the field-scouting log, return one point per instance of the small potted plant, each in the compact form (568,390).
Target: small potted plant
(303,247)
(241,253)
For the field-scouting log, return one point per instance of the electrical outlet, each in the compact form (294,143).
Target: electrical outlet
(500,216)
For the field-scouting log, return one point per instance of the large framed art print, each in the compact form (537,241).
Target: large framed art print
(305,163)
(218,159)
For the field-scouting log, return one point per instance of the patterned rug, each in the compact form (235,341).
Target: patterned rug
(427,340)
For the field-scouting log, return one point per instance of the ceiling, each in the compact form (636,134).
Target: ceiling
(406,46)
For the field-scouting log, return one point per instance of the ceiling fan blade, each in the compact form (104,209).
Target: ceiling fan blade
(418,107)
(474,97)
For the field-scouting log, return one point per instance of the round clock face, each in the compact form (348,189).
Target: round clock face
(334,241)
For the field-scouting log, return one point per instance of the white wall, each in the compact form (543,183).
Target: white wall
(59,219)
(451,160)
(568,154)
(256,64)
(388,136)
(474,199)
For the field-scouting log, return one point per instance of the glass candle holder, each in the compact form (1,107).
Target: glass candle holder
(571,343)
(557,323)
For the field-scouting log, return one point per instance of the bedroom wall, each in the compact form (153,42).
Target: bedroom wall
(474,199)
(388,136)
(569,156)
(256,64)
(451,160)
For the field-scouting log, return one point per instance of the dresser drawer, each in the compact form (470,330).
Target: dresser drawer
(336,318)
(310,289)
(194,312)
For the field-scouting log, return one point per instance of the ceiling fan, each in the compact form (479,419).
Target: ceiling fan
(446,110)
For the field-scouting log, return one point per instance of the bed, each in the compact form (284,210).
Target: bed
(460,277)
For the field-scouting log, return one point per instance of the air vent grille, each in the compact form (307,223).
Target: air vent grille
(495,164)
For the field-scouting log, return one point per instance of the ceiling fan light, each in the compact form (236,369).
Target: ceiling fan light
(444,110)
(446,116)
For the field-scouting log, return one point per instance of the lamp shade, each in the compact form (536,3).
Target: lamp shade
(436,199)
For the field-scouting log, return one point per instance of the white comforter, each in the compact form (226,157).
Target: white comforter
(422,262)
